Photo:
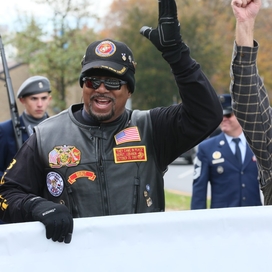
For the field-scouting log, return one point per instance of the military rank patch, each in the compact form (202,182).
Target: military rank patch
(64,156)
(130,154)
(81,174)
(197,168)
(54,183)
(130,134)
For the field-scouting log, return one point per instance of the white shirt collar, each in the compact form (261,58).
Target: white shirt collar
(241,136)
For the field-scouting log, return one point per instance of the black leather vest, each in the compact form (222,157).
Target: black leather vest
(105,170)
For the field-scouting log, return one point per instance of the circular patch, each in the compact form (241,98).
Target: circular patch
(54,183)
(105,49)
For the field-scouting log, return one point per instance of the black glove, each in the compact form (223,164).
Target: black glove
(166,37)
(57,219)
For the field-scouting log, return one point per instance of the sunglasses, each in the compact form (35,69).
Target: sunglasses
(111,84)
(228,115)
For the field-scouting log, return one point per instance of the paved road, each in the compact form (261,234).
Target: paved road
(180,178)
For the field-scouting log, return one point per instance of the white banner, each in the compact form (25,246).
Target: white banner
(233,239)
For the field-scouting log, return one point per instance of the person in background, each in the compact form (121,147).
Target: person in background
(35,96)
(251,102)
(217,131)
(98,158)
(234,180)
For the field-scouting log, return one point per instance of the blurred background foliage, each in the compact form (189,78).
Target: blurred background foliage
(55,49)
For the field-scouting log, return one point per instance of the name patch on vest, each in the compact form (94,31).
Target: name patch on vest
(129,154)
(64,156)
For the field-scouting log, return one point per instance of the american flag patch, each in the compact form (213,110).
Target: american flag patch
(130,134)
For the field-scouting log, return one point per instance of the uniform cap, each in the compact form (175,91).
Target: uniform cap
(34,85)
(113,57)
(225,100)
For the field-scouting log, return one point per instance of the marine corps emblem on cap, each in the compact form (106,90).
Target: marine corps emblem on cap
(105,49)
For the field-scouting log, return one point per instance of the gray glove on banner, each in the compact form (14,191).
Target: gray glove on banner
(166,37)
(56,217)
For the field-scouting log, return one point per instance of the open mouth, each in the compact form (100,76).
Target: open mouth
(102,102)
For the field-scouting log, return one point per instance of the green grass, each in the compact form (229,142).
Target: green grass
(175,201)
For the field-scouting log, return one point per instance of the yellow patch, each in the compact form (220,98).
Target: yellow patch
(11,164)
(130,154)
(2,179)
(3,203)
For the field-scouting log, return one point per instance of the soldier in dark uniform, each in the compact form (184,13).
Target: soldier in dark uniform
(35,96)
(99,158)
(234,182)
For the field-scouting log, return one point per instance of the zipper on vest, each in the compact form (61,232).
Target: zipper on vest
(103,181)
(136,194)
(73,205)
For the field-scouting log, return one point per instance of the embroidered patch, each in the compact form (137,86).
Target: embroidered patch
(130,134)
(81,174)
(54,183)
(64,156)
(197,168)
(129,154)
(105,49)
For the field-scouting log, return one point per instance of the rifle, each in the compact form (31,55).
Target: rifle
(12,102)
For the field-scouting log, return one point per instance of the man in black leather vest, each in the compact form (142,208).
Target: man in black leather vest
(99,158)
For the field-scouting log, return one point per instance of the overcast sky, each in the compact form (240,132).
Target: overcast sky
(9,10)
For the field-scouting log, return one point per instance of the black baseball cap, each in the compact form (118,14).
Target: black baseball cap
(113,57)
